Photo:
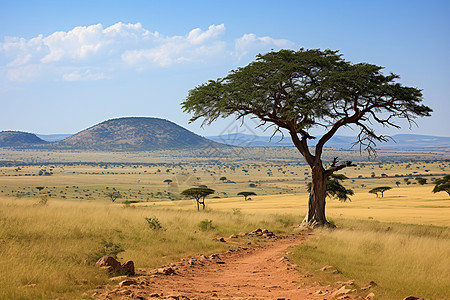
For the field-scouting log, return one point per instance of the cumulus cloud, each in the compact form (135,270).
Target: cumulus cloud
(251,42)
(123,46)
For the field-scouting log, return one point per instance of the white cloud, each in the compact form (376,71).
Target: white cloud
(194,46)
(251,42)
(119,46)
(83,76)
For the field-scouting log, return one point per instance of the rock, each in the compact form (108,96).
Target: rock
(127,282)
(243,233)
(128,268)
(341,292)
(109,264)
(412,298)
(166,271)
(233,236)
(327,267)
(118,278)
(264,231)
(214,256)
(343,283)
(371,284)
(256,231)
(370,296)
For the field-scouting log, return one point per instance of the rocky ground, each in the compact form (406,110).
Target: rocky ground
(261,272)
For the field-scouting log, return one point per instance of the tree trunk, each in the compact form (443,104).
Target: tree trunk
(198,205)
(203,203)
(316,203)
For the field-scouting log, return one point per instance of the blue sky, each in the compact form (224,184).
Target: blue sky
(67,65)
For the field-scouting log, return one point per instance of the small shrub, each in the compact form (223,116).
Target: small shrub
(107,248)
(154,224)
(205,225)
(43,200)
(236,211)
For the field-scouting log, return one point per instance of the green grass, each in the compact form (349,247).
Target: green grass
(402,259)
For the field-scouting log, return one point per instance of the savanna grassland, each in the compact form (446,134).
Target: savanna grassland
(56,217)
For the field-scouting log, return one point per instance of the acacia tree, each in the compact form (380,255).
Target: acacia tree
(301,90)
(442,185)
(246,194)
(380,189)
(199,194)
(114,195)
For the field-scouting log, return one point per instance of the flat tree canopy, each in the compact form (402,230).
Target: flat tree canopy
(442,185)
(301,90)
(380,189)
(199,194)
(246,194)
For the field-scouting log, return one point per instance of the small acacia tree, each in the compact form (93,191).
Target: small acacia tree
(442,185)
(114,195)
(168,181)
(380,189)
(335,189)
(246,194)
(301,90)
(199,194)
(421,180)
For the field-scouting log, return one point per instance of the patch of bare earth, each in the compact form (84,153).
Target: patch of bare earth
(246,273)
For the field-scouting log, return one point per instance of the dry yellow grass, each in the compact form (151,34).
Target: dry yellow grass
(412,204)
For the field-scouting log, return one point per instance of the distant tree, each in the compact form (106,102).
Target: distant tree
(246,194)
(199,194)
(39,188)
(335,189)
(380,189)
(442,185)
(223,178)
(114,195)
(301,90)
(397,183)
(168,181)
(252,185)
(421,180)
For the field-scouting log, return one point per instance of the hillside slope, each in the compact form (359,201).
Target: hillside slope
(135,134)
(19,139)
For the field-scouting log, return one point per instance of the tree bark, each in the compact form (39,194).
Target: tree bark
(316,203)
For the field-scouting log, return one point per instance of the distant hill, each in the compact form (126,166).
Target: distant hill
(134,134)
(18,139)
(401,141)
(53,137)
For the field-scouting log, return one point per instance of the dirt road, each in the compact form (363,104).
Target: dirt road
(247,273)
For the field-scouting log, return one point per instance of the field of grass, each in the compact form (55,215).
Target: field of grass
(403,260)
(50,250)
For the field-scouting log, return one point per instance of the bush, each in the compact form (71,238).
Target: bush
(154,224)
(107,248)
(205,225)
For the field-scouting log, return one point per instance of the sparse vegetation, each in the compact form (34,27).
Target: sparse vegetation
(63,236)
(380,189)
(199,194)
(154,224)
(442,185)
(246,194)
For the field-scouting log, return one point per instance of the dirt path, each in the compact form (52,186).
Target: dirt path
(253,273)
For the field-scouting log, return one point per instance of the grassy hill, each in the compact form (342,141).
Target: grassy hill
(18,139)
(135,134)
